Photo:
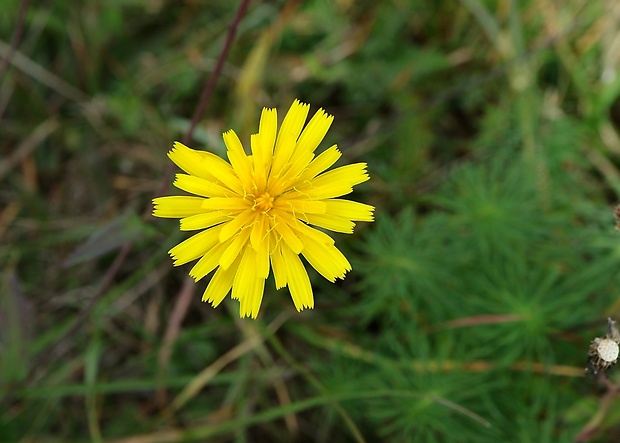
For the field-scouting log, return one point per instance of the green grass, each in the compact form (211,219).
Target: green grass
(492,136)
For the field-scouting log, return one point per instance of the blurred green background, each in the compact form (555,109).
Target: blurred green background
(491,131)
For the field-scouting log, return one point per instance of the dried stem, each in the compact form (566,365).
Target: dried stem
(16,37)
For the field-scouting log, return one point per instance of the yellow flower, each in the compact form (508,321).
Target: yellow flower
(256,212)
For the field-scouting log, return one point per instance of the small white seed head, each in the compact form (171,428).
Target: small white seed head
(604,351)
(608,350)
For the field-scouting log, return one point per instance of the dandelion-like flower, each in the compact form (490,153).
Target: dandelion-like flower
(257,212)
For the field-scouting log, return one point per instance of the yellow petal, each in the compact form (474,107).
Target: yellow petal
(289,237)
(298,206)
(222,170)
(313,233)
(199,186)
(204,220)
(257,297)
(278,266)
(349,209)
(232,252)
(232,142)
(331,222)
(195,246)
(177,206)
(322,192)
(189,160)
(262,258)
(209,261)
(289,176)
(248,288)
(298,281)
(335,183)
(326,259)
(259,231)
(250,304)
(261,166)
(243,167)
(245,275)
(322,162)
(225,204)
(349,175)
(220,284)
(289,132)
(233,226)
(240,162)
(263,143)
(314,132)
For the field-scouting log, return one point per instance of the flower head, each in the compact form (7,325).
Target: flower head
(257,212)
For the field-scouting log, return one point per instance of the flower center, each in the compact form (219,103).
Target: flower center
(263,203)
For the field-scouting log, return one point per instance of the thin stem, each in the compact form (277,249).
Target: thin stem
(208,88)
(16,37)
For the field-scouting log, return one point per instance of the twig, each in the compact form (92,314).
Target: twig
(15,38)
(208,89)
